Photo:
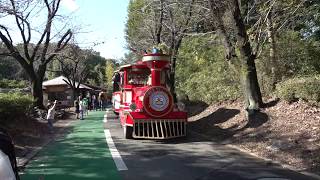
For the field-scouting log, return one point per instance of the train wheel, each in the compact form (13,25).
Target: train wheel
(127,132)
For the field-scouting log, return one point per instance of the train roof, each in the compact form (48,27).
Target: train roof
(156,55)
(138,64)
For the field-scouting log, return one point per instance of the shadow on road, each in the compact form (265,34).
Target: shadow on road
(256,120)
(195,107)
(253,130)
(208,125)
(271,103)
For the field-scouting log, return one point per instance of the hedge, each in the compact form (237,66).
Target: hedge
(14,105)
(11,84)
(302,88)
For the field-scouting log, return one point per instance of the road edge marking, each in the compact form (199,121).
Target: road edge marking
(105,117)
(121,166)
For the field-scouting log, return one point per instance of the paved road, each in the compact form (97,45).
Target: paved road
(92,151)
(191,158)
(83,154)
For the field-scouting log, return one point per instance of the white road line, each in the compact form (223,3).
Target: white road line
(105,117)
(121,166)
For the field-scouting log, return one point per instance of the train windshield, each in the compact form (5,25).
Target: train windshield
(138,76)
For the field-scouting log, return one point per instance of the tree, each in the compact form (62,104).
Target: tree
(254,33)
(96,65)
(9,68)
(202,72)
(79,65)
(180,21)
(34,55)
(137,30)
(265,20)
(109,74)
(74,66)
(162,23)
(130,57)
(244,61)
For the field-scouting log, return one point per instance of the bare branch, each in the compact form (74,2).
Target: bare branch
(61,44)
(287,19)
(193,34)
(7,33)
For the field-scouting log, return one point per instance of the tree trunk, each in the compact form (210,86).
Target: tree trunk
(172,78)
(37,92)
(174,54)
(249,82)
(159,25)
(249,78)
(272,50)
(75,94)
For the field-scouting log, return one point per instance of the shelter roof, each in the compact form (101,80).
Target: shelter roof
(61,81)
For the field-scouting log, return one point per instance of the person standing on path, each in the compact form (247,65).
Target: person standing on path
(85,105)
(100,100)
(77,110)
(50,115)
(81,108)
(94,101)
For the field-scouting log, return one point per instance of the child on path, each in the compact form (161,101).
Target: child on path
(50,115)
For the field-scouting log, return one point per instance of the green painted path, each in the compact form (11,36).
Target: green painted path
(82,154)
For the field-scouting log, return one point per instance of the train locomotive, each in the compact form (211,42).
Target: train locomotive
(143,101)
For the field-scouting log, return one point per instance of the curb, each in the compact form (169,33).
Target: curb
(313,175)
(23,161)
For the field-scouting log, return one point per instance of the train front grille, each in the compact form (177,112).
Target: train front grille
(159,128)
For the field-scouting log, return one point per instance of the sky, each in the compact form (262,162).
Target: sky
(102,24)
(97,24)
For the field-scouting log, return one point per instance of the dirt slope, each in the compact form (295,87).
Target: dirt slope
(288,133)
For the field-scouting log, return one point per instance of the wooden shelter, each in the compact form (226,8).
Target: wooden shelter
(58,89)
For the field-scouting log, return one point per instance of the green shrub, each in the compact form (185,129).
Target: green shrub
(14,105)
(304,88)
(11,84)
(202,73)
(295,56)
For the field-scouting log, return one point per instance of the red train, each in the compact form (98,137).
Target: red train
(143,101)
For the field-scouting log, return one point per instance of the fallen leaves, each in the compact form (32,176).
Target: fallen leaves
(291,133)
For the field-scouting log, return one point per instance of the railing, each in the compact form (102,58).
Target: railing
(159,128)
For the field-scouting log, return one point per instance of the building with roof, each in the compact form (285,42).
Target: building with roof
(59,89)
